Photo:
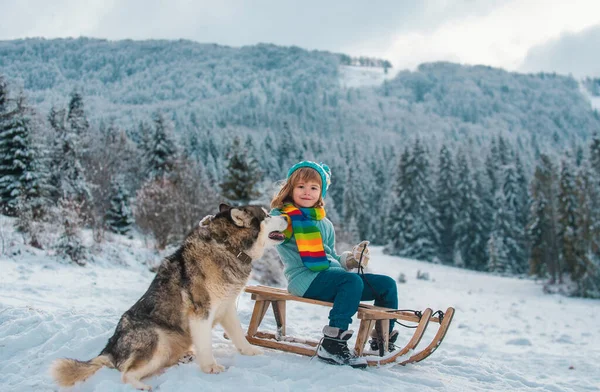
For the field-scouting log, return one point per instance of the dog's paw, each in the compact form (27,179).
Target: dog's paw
(212,368)
(251,350)
(187,358)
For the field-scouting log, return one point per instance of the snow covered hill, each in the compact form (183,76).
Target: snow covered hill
(506,335)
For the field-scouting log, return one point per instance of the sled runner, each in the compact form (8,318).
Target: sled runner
(369,316)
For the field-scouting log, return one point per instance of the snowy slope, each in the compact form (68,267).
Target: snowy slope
(594,100)
(352,76)
(506,335)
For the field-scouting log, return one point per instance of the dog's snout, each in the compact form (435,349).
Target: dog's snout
(282,222)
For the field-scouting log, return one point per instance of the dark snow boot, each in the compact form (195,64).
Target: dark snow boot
(375,341)
(334,348)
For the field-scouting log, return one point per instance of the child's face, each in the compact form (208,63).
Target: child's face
(306,194)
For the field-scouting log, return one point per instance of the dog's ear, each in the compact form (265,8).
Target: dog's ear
(224,207)
(240,217)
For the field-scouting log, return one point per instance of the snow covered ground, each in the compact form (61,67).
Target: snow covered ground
(352,76)
(594,100)
(506,335)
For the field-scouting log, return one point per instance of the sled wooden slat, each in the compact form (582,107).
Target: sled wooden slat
(412,343)
(289,339)
(365,311)
(260,308)
(437,340)
(288,297)
(269,343)
(368,315)
(363,335)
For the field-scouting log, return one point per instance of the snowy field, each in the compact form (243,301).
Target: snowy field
(506,334)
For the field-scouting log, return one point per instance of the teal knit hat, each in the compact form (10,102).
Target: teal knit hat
(321,168)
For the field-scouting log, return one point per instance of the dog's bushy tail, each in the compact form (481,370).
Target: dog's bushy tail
(66,371)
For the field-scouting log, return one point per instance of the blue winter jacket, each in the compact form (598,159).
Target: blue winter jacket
(299,277)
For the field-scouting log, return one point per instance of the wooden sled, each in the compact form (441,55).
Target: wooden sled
(369,315)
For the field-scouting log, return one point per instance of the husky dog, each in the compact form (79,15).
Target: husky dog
(194,288)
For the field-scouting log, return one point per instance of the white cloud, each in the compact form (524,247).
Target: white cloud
(51,19)
(574,53)
(501,38)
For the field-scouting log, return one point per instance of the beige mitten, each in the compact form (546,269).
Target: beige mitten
(354,256)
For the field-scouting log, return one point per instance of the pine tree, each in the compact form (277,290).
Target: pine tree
(399,216)
(76,117)
(542,224)
(68,175)
(595,155)
(417,226)
(503,152)
(568,220)
(113,155)
(57,120)
(486,218)
(352,231)
(242,176)
(587,271)
(445,204)
(270,161)
(192,148)
(7,108)
(503,249)
(371,193)
(498,259)
(212,173)
(522,191)
(288,150)
(487,182)
(22,174)
(492,164)
(536,228)
(511,200)
(78,125)
(162,151)
(7,147)
(428,222)
(378,197)
(595,199)
(354,203)
(119,217)
(471,241)
(70,243)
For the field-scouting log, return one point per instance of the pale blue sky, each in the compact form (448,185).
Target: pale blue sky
(527,35)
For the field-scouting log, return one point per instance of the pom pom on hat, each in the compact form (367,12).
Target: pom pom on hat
(321,168)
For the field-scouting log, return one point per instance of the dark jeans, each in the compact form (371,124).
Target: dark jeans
(346,290)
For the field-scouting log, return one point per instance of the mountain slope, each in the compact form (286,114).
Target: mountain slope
(269,87)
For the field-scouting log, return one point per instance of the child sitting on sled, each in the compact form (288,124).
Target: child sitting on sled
(314,270)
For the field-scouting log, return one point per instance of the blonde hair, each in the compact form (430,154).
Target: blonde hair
(285,194)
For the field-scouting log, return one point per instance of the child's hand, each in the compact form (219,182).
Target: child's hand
(354,257)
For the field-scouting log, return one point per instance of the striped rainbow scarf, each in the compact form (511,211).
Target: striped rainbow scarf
(308,237)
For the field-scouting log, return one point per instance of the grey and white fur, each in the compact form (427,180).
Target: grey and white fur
(194,289)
